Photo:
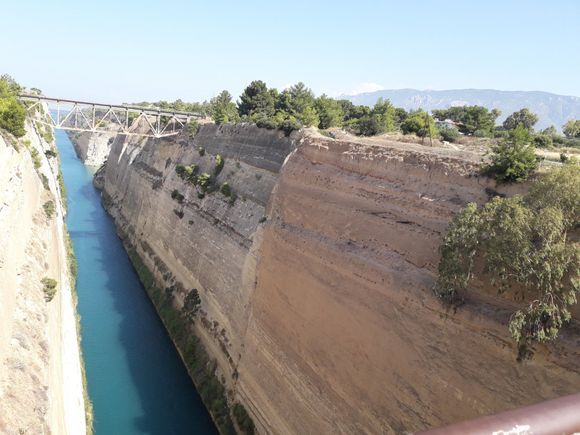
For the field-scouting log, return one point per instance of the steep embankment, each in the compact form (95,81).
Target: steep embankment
(316,282)
(92,148)
(41,387)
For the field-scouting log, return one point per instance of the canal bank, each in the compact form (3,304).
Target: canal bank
(136,380)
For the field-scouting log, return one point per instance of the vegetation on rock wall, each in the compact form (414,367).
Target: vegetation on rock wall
(49,288)
(527,245)
(12,112)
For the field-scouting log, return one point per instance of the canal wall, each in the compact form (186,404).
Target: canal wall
(41,388)
(92,148)
(315,269)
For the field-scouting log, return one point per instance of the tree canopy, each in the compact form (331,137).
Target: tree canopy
(572,128)
(12,112)
(470,119)
(523,117)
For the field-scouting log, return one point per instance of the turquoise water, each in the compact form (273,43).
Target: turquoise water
(136,381)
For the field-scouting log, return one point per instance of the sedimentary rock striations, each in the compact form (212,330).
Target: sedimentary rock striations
(316,281)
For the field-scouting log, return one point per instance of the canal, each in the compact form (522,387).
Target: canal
(136,380)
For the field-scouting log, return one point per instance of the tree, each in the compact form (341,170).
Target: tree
(470,118)
(329,112)
(222,109)
(523,117)
(514,158)
(298,101)
(257,99)
(12,112)
(191,303)
(420,123)
(572,128)
(529,244)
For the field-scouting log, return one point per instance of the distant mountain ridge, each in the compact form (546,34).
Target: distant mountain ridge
(552,109)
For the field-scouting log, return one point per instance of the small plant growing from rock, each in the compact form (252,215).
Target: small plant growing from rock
(50,153)
(49,209)
(49,288)
(191,304)
(226,189)
(175,195)
(192,128)
(201,151)
(203,181)
(219,164)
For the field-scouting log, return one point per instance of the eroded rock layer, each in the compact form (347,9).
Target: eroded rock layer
(316,282)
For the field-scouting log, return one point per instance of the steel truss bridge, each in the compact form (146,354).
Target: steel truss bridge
(106,118)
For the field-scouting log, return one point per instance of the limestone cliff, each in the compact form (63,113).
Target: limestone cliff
(316,282)
(41,387)
(92,148)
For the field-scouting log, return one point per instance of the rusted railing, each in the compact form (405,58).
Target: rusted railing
(558,416)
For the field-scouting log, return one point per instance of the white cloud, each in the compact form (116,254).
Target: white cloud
(362,88)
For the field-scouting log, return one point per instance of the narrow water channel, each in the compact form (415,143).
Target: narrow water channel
(136,381)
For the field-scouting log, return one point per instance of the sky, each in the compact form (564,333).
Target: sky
(117,51)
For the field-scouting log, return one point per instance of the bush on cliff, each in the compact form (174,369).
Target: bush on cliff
(49,288)
(12,112)
(526,245)
(512,159)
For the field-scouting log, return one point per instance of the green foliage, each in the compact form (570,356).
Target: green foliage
(35,158)
(419,123)
(201,151)
(219,164)
(62,187)
(203,181)
(543,140)
(449,134)
(470,118)
(257,101)
(244,421)
(187,173)
(45,184)
(513,159)
(50,154)
(191,304)
(49,209)
(225,189)
(192,128)
(528,246)
(523,118)
(329,111)
(176,196)
(12,112)
(222,109)
(572,128)
(49,288)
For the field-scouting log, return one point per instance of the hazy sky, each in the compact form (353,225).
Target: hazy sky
(115,50)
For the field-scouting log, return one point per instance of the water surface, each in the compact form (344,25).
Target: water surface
(136,381)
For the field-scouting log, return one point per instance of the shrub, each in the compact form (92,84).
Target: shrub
(192,128)
(175,195)
(203,181)
(512,159)
(191,304)
(50,153)
(449,134)
(219,164)
(226,189)
(187,173)
(529,242)
(35,158)
(201,151)
(244,421)
(49,209)
(49,288)
(543,141)
(44,181)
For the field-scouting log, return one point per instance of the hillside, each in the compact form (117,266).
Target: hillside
(552,109)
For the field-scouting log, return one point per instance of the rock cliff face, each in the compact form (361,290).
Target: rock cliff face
(316,282)
(41,387)
(92,148)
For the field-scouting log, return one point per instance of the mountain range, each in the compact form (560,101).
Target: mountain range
(552,109)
